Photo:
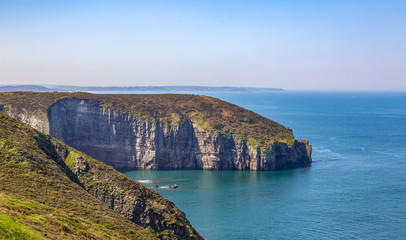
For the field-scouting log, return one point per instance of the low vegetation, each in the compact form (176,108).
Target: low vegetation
(211,114)
(42,196)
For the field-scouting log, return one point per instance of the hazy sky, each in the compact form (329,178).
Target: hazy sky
(298,45)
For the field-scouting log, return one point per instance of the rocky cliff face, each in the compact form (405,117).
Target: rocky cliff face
(137,203)
(36,120)
(61,193)
(126,142)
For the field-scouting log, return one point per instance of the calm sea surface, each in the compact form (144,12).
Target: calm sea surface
(355,188)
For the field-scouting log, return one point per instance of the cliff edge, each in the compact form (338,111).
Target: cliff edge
(49,190)
(161,131)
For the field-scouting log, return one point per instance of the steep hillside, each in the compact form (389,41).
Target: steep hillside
(51,191)
(165,131)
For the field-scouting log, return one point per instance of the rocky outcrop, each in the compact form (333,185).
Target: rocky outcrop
(64,194)
(127,142)
(135,202)
(139,132)
(36,120)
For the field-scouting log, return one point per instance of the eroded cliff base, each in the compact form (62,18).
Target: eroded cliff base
(166,131)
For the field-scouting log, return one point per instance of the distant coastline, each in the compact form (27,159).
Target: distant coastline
(66,88)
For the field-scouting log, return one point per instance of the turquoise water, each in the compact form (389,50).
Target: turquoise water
(355,188)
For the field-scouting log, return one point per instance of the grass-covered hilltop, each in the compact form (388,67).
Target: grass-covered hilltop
(210,113)
(160,131)
(49,190)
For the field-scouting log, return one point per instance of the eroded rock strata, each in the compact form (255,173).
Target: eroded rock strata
(128,141)
(61,193)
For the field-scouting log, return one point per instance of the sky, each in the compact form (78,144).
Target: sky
(290,44)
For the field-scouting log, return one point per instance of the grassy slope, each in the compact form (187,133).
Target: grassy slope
(101,179)
(212,114)
(39,201)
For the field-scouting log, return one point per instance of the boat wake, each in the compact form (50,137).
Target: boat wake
(145,181)
(327,153)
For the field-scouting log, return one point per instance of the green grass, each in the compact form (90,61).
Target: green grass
(39,198)
(211,114)
(100,178)
(59,192)
(12,228)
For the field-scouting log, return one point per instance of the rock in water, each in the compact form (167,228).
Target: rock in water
(173,187)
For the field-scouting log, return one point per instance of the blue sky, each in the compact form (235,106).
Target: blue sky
(298,45)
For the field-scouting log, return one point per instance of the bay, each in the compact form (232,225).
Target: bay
(354,189)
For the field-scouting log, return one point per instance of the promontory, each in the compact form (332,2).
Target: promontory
(160,131)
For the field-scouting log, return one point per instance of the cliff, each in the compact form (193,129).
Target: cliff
(49,190)
(166,131)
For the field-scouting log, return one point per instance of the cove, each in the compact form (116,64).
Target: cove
(354,188)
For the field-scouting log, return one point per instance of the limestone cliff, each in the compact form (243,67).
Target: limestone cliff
(162,131)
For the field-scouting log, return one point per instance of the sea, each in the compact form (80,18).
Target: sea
(354,189)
